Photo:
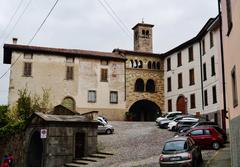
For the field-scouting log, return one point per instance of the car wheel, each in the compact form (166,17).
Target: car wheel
(215,145)
(173,128)
(108,131)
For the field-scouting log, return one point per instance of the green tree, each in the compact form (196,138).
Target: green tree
(24,104)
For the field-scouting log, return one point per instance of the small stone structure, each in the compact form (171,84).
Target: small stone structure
(51,140)
(68,137)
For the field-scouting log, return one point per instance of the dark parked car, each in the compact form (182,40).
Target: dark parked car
(180,151)
(206,137)
(204,123)
(182,124)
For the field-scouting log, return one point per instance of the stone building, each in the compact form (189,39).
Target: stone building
(83,81)
(193,75)
(144,76)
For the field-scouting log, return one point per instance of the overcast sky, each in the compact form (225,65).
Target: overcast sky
(85,24)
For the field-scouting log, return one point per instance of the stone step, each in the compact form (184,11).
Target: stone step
(88,159)
(97,155)
(105,153)
(80,161)
(75,165)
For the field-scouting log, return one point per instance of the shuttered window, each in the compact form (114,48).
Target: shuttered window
(104,75)
(27,72)
(92,96)
(69,73)
(113,97)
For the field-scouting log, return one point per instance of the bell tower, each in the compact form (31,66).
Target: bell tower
(143,37)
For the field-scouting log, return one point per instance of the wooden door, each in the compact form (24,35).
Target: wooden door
(181,105)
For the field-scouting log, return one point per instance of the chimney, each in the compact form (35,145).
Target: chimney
(14,40)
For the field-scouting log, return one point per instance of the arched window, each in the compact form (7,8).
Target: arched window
(140,64)
(139,85)
(69,103)
(149,65)
(147,33)
(131,64)
(135,64)
(150,87)
(154,65)
(158,65)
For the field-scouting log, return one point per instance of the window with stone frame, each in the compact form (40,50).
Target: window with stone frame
(211,39)
(169,84)
(213,65)
(191,77)
(28,56)
(204,72)
(229,16)
(214,94)
(104,75)
(69,72)
(190,54)
(234,87)
(104,62)
(205,98)
(168,64)
(179,59)
(192,101)
(69,59)
(203,47)
(27,71)
(169,105)
(180,81)
(113,97)
(92,96)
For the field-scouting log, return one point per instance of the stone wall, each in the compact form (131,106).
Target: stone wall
(157,75)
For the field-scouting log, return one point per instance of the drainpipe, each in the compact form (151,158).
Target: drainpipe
(223,69)
(222,56)
(200,46)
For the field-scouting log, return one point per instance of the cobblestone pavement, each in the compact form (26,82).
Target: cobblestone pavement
(135,144)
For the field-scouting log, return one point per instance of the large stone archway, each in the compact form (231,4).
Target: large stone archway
(181,104)
(144,110)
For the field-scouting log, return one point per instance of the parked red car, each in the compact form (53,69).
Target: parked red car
(206,137)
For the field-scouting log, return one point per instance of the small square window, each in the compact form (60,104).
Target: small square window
(104,62)
(113,97)
(92,96)
(69,59)
(28,55)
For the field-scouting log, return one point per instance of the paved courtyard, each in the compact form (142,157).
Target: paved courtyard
(135,144)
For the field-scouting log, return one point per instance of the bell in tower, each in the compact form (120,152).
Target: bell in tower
(143,37)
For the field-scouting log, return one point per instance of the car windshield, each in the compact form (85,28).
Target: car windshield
(178,145)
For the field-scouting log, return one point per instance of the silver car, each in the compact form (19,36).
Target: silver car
(105,128)
(180,151)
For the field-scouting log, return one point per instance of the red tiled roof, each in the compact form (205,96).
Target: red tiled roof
(8,48)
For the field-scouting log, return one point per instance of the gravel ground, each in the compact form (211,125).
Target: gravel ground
(135,144)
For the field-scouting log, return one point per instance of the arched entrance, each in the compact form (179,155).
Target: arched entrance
(79,145)
(35,151)
(144,110)
(181,104)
